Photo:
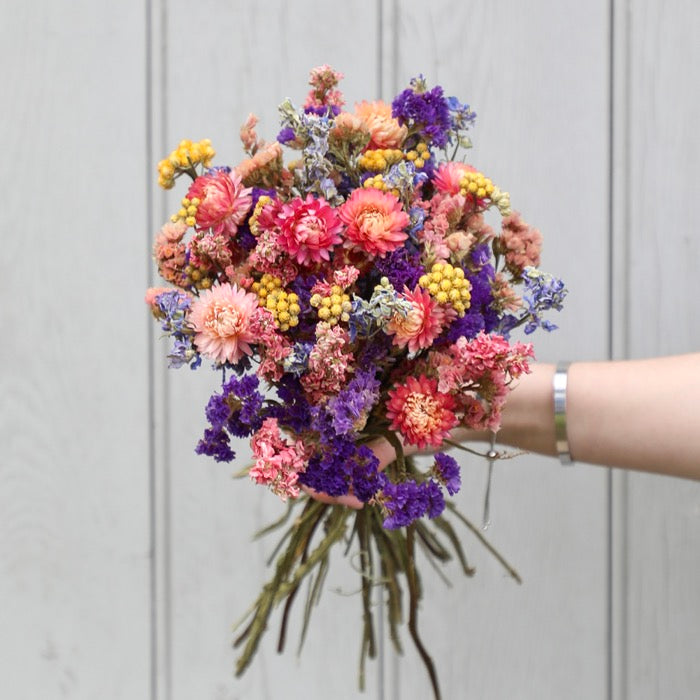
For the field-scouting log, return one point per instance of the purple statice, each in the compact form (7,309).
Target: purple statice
(446,471)
(286,135)
(425,112)
(350,408)
(467,326)
(435,499)
(404,502)
(293,409)
(401,267)
(367,481)
(330,469)
(236,411)
(215,443)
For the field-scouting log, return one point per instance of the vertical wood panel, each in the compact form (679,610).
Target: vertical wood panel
(660,572)
(537,75)
(73,417)
(239,57)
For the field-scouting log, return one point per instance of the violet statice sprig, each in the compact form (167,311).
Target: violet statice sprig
(173,306)
(543,292)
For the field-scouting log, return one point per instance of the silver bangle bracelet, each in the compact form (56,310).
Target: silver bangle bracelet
(560,436)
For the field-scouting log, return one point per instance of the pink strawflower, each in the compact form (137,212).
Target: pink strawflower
(221,318)
(422,414)
(278,462)
(223,201)
(386,132)
(309,229)
(375,221)
(448,176)
(521,244)
(328,363)
(423,323)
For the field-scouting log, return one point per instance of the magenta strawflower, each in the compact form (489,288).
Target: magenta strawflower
(309,229)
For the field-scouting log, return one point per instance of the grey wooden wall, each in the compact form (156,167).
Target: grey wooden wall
(124,558)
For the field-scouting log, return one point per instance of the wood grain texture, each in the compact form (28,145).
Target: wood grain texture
(73,417)
(659,645)
(537,76)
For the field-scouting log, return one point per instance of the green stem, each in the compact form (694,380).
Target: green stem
(414,599)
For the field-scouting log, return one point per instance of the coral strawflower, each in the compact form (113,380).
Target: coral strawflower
(422,414)
(423,323)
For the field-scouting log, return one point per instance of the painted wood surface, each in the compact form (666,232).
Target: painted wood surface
(658,536)
(74,495)
(124,557)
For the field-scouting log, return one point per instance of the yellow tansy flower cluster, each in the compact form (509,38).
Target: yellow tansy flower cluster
(198,277)
(419,155)
(333,308)
(377,182)
(188,211)
(283,305)
(187,155)
(379,159)
(477,184)
(253,220)
(448,286)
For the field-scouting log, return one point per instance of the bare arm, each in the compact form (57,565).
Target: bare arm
(636,414)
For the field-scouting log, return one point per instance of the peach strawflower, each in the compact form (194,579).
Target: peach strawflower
(221,318)
(375,221)
(420,412)
(223,201)
(386,131)
(423,323)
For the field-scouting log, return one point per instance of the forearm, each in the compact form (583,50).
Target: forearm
(639,414)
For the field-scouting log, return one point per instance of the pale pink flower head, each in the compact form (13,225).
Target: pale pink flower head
(223,201)
(422,414)
(264,169)
(520,243)
(323,80)
(375,221)
(170,253)
(423,323)
(386,131)
(309,229)
(350,128)
(449,174)
(249,137)
(278,461)
(221,318)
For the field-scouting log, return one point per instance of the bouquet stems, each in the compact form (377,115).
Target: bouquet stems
(388,558)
